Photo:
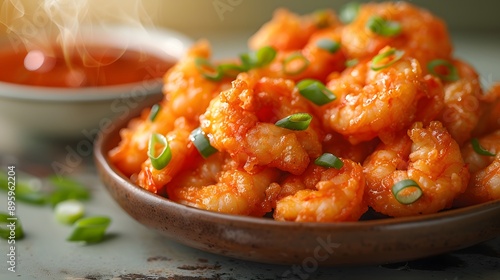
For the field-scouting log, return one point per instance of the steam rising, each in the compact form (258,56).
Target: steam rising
(68,23)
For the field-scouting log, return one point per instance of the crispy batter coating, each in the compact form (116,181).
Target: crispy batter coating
(399,120)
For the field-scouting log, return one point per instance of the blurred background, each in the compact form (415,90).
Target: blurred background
(193,16)
(468,21)
(199,18)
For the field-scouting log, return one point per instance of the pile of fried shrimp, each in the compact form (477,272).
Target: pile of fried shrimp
(327,115)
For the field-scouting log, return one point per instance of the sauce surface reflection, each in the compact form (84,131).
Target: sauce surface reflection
(95,66)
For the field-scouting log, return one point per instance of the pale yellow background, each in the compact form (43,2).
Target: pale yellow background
(198,16)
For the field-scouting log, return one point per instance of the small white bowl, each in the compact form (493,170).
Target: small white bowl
(56,112)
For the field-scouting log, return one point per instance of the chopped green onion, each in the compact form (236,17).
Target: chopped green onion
(406,191)
(315,91)
(295,64)
(250,60)
(69,211)
(298,121)
(90,230)
(161,159)
(207,69)
(383,27)
(351,62)
(230,69)
(202,143)
(452,74)
(349,12)
(34,197)
(321,19)
(10,227)
(387,58)
(26,191)
(479,149)
(328,45)
(329,160)
(65,189)
(154,112)
(259,58)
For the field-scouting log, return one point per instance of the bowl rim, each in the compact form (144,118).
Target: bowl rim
(164,42)
(239,220)
(365,242)
(101,149)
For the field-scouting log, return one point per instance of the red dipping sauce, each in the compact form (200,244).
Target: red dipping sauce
(95,66)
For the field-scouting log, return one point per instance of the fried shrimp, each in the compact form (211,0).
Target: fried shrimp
(312,50)
(489,106)
(336,144)
(378,87)
(217,184)
(420,34)
(187,91)
(323,195)
(321,56)
(427,155)
(484,184)
(374,103)
(187,94)
(241,120)
(131,152)
(154,180)
(288,31)
(461,111)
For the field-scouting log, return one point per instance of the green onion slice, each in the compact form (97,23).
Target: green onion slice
(250,60)
(202,143)
(298,121)
(386,59)
(258,59)
(69,211)
(27,189)
(34,197)
(207,69)
(155,109)
(265,55)
(479,149)
(383,27)
(230,69)
(161,159)
(406,191)
(328,45)
(321,19)
(315,91)
(351,62)
(329,160)
(349,12)
(66,188)
(295,64)
(452,72)
(90,230)
(10,227)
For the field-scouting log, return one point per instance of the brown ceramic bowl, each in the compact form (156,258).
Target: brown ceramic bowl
(264,240)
